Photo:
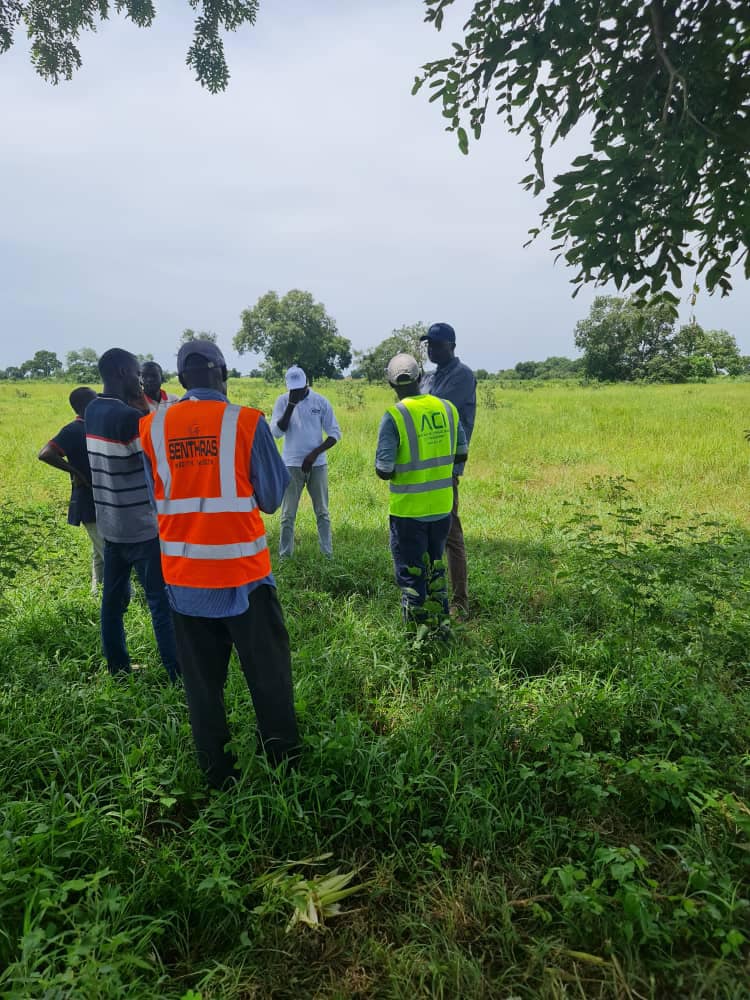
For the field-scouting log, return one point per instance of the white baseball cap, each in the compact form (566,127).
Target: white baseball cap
(402,368)
(295,378)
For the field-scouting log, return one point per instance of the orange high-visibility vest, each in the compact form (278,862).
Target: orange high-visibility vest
(210,529)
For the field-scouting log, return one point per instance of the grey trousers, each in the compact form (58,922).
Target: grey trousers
(316,481)
(97,558)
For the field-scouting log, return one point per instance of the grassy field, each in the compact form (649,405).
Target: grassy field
(554,804)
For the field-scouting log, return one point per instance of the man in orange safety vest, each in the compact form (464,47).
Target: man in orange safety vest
(213,467)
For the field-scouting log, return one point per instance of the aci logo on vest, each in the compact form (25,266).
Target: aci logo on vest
(433,425)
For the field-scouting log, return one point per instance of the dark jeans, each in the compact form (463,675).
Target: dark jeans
(120,558)
(262,643)
(411,541)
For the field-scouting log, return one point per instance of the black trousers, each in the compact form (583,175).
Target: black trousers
(204,646)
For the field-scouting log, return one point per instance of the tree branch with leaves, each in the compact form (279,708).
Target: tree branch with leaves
(664,89)
(54,28)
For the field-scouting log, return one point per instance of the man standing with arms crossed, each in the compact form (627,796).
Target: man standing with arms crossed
(302,417)
(454,381)
(213,466)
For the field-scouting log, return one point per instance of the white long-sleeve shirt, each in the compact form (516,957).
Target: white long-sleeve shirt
(312,419)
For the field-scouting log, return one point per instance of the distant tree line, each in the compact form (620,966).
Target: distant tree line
(80,366)
(621,340)
(625,340)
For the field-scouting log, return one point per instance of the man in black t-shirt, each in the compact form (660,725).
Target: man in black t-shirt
(67,451)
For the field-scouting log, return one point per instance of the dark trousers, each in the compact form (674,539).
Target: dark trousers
(416,546)
(120,559)
(456,555)
(262,643)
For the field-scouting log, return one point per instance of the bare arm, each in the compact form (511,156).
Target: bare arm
(283,422)
(51,456)
(309,459)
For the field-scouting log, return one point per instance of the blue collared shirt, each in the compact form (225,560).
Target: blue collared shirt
(270,478)
(455,381)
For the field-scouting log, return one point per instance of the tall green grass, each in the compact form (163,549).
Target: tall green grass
(553,804)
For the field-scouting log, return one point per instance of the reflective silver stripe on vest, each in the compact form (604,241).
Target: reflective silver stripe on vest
(157,440)
(234,550)
(425,463)
(206,505)
(227,450)
(417,464)
(436,484)
(411,431)
(228,502)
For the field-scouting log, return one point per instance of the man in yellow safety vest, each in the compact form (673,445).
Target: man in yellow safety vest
(419,443)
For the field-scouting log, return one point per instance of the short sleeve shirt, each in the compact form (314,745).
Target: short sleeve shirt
(70,441)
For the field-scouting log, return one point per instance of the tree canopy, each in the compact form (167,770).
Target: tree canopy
(372,364)
(188,335)
(55,26)
(291,330)
(663,87)
(81,366)
(625,340)
(44,364)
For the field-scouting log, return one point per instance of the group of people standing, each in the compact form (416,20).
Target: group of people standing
(174,489)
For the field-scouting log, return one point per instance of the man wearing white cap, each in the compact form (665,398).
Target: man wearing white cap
(306,421)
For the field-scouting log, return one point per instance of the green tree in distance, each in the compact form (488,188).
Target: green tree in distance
(713,352)
(625,339)
(620,338)
(81,366)
(372,364)
(44,364)
(662,87)
(293,330)
(55,26)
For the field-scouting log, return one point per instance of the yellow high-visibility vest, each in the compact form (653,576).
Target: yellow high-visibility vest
(428,435)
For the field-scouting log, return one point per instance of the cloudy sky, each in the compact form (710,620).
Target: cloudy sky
(133,204)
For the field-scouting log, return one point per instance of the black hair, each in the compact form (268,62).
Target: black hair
(156,365)
(114,360)
(80,398)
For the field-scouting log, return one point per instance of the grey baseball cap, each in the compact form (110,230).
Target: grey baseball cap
(402,368)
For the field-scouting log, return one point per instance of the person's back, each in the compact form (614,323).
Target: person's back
(214,466)
(123,510)
(422,483)
(124,514)
(419,442)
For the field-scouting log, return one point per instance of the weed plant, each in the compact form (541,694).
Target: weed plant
(553,803)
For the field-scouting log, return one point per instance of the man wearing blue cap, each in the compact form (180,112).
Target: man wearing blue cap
(454,381)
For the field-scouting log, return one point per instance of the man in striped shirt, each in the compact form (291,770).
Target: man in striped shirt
(124,515)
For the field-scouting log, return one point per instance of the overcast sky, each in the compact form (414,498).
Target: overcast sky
(135,204)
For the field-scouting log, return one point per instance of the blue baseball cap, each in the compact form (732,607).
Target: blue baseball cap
(199,354)
(440,331)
